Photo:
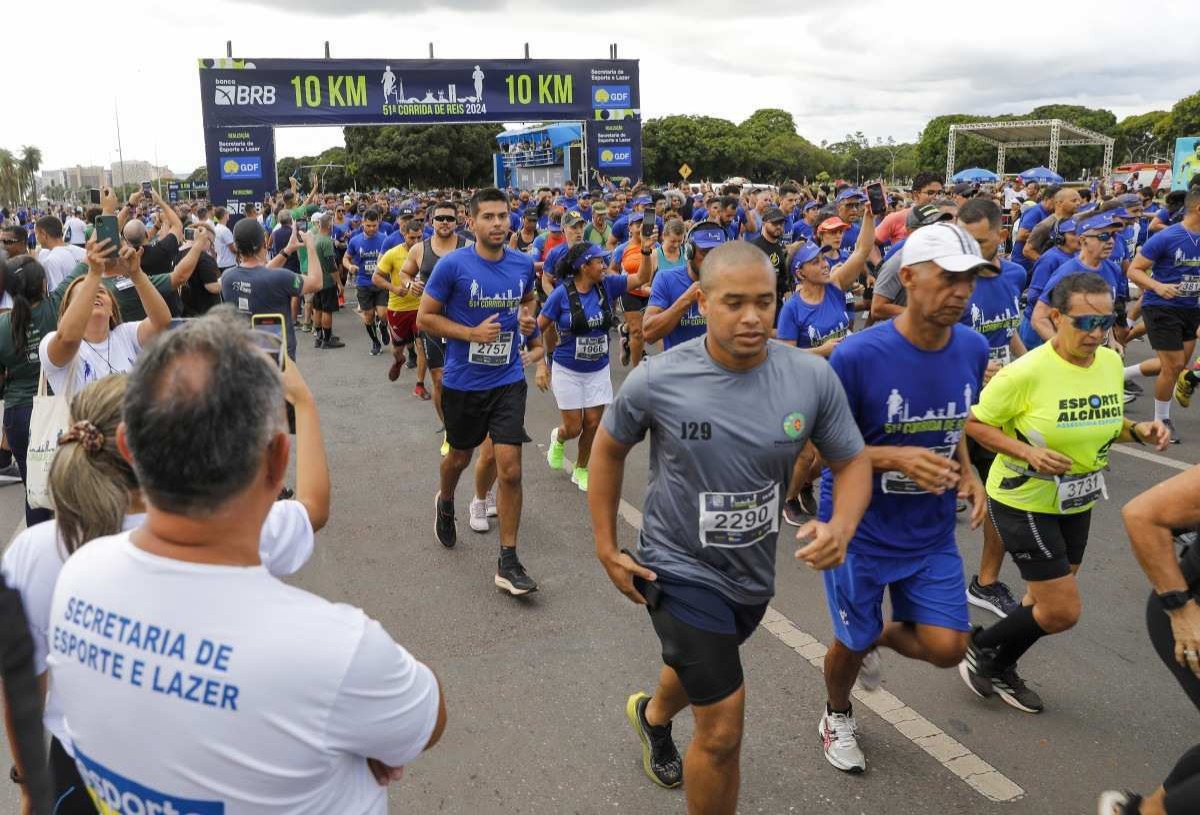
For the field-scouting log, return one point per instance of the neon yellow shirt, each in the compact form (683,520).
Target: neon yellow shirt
(1188,168)
(1048,402)
(390,264)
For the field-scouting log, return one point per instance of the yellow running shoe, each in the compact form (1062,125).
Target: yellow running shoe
(660,758)
(445,446)
(1184,388)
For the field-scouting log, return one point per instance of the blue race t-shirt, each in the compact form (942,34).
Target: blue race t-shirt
(994,309)
(1175,253)
(901,395)
(394,239)
(1029,219)
(365,253)
(801,231)
(470,289)
(667,287)
(588,352)
(552,258)
(1046,266)
(1110,271)
(850,237)
(812,326)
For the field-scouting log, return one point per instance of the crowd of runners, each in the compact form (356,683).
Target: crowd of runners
(862,364)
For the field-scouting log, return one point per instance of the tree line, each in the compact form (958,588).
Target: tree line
(765,147)
(18,175)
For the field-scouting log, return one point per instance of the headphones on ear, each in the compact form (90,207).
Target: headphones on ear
(1058,238)
(689,247)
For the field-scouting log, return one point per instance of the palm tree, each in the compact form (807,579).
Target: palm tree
(31,162)
(9,183)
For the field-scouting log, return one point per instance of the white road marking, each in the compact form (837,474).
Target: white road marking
(946,750)
(1138,452)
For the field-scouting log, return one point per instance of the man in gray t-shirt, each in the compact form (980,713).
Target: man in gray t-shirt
(727,414)
(890,298)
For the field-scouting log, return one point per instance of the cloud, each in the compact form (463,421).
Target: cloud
(872,65)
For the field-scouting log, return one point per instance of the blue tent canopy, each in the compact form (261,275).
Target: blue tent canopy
(1041,175)
(975,174)
(559,134)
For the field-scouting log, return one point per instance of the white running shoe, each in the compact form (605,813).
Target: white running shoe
(479,521)
(839,738)
(870,675)
(492,512)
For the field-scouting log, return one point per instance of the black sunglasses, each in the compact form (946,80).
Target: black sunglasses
(12,241)
(445,218)
(1103,236)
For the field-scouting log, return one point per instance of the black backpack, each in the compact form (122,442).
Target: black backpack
(579,321)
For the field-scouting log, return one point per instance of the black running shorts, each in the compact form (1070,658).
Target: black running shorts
(370,297)
(1044,546)
(435,351)
(472,416)
(1169,328)
(326,300)
(701,632)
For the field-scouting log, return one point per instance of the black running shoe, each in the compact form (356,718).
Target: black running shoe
(660,757)
(334,342)
(808,501)
(996,598)
(412,356)
(1015,692)
(1134,388)
(376,349)
(793,512)
(444,526)
(319,342)
(511,575)
(974,667)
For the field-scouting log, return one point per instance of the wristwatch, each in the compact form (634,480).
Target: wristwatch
(1174,600)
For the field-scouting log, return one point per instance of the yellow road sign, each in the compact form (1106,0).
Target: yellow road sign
(685,171)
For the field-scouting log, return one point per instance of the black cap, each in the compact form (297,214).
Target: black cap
(248,236)
(772,214)
(965,188)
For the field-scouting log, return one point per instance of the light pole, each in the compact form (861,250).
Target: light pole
(857,172)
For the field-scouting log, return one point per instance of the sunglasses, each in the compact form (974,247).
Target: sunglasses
(12,241)
(445,218)
(1090,322)
(1103,236)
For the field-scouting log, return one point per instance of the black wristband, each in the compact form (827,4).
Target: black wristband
(1171,600)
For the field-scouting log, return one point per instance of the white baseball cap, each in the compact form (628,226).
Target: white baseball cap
(946,244)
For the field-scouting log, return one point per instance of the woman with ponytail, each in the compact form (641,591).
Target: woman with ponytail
(32,317)
(96,494)
(581,311)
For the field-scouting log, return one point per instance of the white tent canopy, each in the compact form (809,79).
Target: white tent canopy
(1052,133)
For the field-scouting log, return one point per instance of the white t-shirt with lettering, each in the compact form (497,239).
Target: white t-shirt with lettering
(33,560)
(219,689)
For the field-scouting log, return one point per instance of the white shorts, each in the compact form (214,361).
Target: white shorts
(574,390)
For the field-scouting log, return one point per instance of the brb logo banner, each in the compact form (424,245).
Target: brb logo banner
(233,167)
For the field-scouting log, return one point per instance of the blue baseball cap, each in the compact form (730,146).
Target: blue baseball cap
(633,218)
(590,253)
(851,193)
(556,226)
(807,251)
(643,200)
(810,205)
(1066,226)
(1102,220)
(707,236)
(1084,210)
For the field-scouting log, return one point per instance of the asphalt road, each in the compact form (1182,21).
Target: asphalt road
(535,688)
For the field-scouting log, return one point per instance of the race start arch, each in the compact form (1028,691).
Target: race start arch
(244,100)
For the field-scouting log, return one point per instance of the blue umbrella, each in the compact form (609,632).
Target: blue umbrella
(1041,175)
(976,175)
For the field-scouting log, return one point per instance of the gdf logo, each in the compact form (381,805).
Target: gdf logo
(611,96)
(616,157)
(230,92)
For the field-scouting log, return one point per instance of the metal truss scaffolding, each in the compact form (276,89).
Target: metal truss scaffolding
(1013,133)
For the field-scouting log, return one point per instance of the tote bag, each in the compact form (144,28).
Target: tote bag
(51,417)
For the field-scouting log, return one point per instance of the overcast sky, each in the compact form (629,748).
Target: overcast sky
(881,66)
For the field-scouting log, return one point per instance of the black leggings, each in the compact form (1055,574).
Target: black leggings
(70,794)
(1183,784)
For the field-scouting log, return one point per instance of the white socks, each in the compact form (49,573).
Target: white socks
(1162,410)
